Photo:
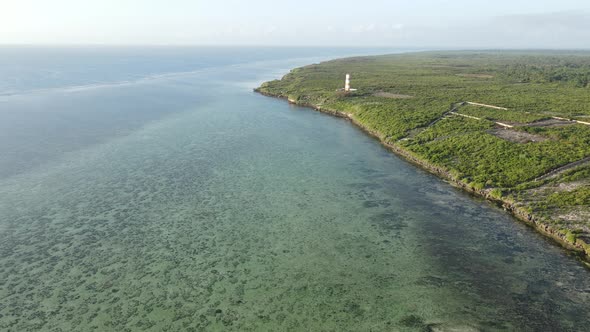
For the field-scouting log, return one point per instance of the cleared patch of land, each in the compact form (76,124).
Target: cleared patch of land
(517,136)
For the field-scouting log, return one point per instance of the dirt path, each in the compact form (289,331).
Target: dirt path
(417,131)
(571,120)
(486,105)
(562,169)
(476,118)
(455,108)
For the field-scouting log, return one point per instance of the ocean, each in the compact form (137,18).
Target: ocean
(150,189)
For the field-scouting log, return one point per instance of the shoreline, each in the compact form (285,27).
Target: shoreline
(580,249)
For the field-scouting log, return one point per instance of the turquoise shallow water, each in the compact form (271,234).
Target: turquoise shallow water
(208,207)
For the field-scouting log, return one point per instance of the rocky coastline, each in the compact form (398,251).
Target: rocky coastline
(579,247)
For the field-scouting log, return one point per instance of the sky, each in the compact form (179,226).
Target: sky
(390,23)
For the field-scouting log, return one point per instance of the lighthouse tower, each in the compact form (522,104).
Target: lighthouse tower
(347,83)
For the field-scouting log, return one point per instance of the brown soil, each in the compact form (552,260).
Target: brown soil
(516,136)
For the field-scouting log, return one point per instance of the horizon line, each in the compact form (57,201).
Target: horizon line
(399,47)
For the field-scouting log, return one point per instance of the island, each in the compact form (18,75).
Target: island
(510,126)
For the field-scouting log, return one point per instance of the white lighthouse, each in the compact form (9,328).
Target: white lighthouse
(347,83)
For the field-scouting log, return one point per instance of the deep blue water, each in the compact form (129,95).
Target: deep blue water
(151,189)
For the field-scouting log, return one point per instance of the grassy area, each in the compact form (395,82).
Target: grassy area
(406,99)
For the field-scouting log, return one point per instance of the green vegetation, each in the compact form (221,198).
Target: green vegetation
(577,197)
(406,99)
